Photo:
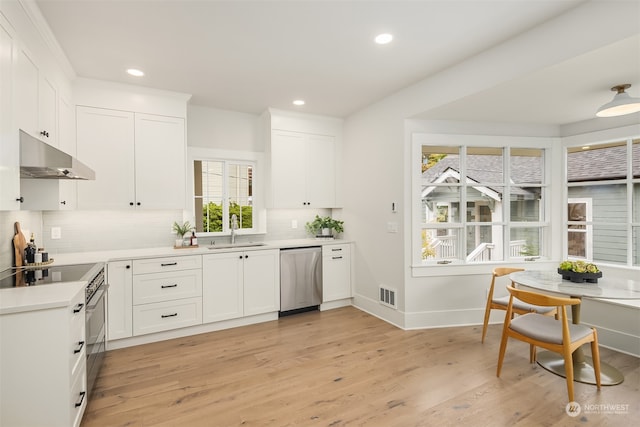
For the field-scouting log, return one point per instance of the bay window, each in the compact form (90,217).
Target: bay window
(501,187)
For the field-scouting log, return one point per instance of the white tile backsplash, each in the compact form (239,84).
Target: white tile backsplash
(107,230)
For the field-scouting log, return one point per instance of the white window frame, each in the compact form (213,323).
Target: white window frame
(229,157)
(418,139)
(588,230)
(625,134)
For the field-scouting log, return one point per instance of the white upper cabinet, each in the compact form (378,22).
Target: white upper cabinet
(9,148)
(105,143)
(160,162)
(35,100)
(139,160)
(302,170)
(304,154)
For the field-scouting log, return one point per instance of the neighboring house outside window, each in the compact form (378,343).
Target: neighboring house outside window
(603,209)
(482,203)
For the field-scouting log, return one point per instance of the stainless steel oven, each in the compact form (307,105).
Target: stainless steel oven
(96,306)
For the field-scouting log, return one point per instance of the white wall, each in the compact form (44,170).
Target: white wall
(377,155)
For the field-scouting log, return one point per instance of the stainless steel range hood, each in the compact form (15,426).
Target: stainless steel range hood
(41,160)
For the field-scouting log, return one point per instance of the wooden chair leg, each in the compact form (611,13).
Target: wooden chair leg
(568,369)
(487,312)
(503,348)
(595,355)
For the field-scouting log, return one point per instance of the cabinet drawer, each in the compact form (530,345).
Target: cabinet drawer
(77,335)
(157,287)
(159,265)
(336,251)
(163,316)
(78,396)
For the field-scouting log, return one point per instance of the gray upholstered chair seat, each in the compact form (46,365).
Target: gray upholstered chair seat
(523,305)
(548,329)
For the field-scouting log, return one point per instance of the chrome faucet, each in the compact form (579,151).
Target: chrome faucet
(234,227)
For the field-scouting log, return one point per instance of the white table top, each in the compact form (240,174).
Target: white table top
(551,281)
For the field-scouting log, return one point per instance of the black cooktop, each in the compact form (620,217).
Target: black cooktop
(46,275)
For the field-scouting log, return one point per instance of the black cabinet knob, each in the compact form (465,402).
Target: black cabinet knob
(44,133)
(20,199)
(130,203)
(138,203)
(64,202)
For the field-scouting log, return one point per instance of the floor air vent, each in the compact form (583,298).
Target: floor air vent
(388,297)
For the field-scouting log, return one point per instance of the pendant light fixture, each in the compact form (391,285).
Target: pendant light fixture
(622,103)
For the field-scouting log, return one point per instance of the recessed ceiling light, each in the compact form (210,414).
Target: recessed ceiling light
(383,38)
(298,102)
(135,72)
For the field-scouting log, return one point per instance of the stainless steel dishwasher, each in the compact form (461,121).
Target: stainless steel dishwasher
(300,279)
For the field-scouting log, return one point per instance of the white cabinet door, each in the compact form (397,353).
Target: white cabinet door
(9,147)
(288,170)
(261,281)
(105,143)
(321,171)
(26,93)
(222,286)
(302,170)
(119,300)
(47,194)
(336,272)
(160,162)
(47,112)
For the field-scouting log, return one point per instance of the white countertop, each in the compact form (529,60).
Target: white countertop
(58,295)
(31,298)
(125,254)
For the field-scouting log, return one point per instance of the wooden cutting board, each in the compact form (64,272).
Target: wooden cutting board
(19,245)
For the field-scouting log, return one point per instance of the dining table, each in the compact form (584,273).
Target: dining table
(605,288)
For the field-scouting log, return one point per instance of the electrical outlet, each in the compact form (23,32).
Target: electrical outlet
(294,223)
(56,233)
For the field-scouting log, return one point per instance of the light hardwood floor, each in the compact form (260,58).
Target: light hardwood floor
(344,367)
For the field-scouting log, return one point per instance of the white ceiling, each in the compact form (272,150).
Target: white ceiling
(251,55)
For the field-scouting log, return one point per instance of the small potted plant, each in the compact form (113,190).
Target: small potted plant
(323,226)
(579,271)
(181,230)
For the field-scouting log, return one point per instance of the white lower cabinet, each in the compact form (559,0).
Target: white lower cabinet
(43,366)
(237,284)
(167,293)
(119,300)
(336,272)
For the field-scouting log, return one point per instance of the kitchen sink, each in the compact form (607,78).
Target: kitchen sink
(236,245)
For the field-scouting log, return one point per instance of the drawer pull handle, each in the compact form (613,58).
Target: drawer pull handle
(175,285)
(79,349)
(336,257)
(164,316)
(336,249)
(78,308)
(82,395)
(168,264)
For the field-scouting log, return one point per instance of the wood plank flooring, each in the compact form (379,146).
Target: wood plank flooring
(344,367)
